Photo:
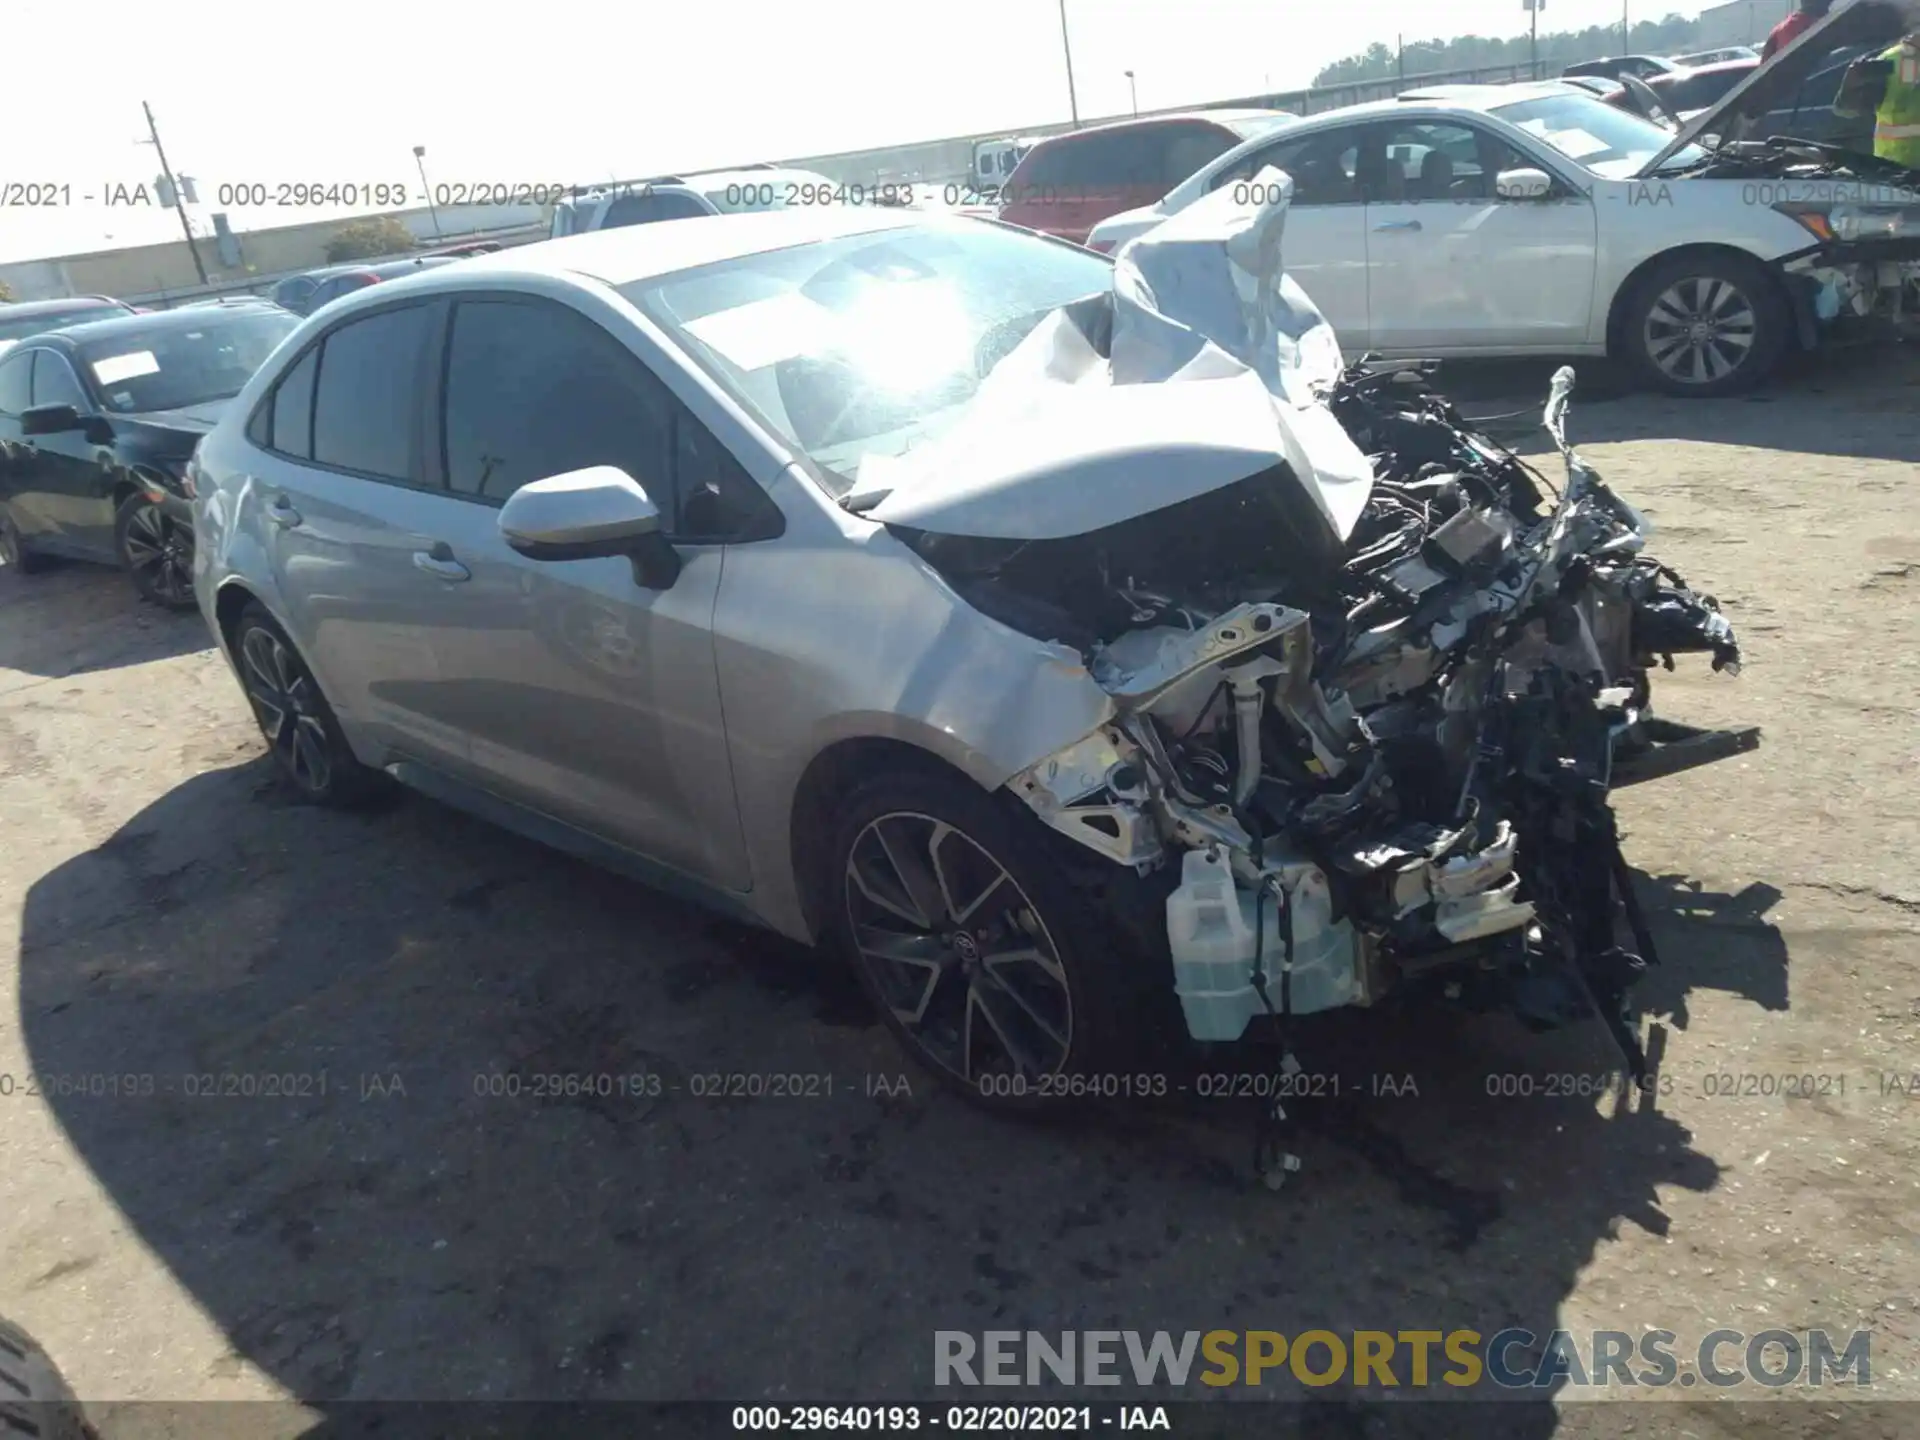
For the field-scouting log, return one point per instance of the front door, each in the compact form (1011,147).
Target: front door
(583,695)
(1455,267)
(75,473)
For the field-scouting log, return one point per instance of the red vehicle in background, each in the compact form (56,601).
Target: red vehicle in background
(1069,183)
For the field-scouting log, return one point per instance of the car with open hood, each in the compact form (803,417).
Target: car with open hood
(97,425)
(1083,651)
(1534,220)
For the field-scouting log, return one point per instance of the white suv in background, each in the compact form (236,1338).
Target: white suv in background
(675,197)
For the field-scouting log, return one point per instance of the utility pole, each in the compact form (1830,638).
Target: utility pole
(1626,29)
(1400,51)
(1533,36)
(1066,45)
(173,184)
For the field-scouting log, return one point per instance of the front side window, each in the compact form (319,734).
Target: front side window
(366,404)
(183,362)
(16,383)
(54,382)
(868,345)
(535,389)
(1436,161)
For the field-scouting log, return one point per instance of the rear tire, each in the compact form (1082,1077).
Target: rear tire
(995,973)
(156,550)
(15,553)
(35,1400)
(1704,325)
(309,751)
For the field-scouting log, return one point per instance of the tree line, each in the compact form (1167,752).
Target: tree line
(1672,36)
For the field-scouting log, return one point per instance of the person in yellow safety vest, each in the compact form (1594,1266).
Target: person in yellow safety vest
(1888,85)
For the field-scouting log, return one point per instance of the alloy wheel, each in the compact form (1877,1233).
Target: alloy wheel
(1700,330)
(286,703)
(160,554)
(956,950)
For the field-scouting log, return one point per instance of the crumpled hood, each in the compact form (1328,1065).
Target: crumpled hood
(1773,85)
(1203,366)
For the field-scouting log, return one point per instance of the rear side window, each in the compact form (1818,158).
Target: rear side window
(290,417)
(365,405)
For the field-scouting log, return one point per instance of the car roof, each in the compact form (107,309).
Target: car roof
(27,309)
(186,317)
(628,253)
(1224,117)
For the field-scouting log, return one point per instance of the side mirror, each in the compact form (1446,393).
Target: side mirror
(591,514)
(1523,184)
(50,420)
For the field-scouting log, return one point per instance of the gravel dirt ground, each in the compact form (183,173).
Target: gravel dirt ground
(394,1229)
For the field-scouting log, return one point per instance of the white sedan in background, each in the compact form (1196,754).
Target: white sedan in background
(1535,220)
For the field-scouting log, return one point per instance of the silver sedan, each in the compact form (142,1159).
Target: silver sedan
(918,586)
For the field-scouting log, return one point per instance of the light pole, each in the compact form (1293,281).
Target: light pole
(1134,92)
(1066,45)
(420,159)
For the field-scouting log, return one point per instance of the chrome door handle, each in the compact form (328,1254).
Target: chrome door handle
(1398,225)
(439,563)
(282,513)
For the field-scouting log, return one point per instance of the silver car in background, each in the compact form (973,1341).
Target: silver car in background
(917,585)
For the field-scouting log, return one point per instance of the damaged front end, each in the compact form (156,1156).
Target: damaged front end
(1399,769)
(1364,741)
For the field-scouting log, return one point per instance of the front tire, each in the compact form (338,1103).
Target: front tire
(993,973)
(35,1400)
(156,550)
(308,748)
(1705,325)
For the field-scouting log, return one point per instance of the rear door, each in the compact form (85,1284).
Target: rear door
(586,697)
(343,482)
(1451,265)
(1326,240)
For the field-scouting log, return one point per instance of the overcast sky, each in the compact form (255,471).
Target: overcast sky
(569,90)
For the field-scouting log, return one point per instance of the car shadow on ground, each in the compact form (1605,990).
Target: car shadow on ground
(1508,396)
(415,1109)
(47,610)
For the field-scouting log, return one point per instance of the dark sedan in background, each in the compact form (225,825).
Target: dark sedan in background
(97,423)
(32,317)
(304,294)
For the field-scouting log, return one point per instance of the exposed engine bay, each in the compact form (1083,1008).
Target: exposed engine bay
(1361,752)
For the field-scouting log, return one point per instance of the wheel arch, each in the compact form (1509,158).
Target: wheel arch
(828,777)
(1630,286)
